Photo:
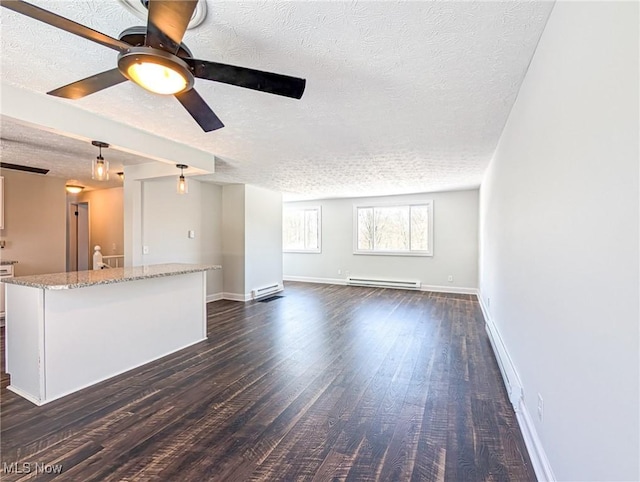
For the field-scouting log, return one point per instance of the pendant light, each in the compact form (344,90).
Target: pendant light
(100,167)
(182,187)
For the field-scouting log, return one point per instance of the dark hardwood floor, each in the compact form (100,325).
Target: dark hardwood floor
(327,383)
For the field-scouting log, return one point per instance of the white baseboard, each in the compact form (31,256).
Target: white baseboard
(512,382)
(538,456)
(23,394)
(230,297)
(215,297)
(324,281)
(236,296)
(342,281)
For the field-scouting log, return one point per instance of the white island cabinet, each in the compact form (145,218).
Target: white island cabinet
(67,331)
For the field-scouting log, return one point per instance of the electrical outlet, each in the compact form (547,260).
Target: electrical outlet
(113,247)
(145,250)
(488,302)
(450,278)
(339,271)
(540,407)
(191,234)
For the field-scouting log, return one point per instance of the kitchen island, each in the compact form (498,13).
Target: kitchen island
(67,331)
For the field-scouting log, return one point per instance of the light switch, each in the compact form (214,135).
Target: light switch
(192,234)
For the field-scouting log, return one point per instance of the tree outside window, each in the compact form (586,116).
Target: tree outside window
(301,230)
(394,229)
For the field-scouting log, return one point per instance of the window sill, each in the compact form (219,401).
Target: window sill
(423,254)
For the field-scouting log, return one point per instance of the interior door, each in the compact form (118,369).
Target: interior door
(78,254)
(72,238)
(83,236)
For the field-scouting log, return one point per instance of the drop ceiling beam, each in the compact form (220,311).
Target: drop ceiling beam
(66,119)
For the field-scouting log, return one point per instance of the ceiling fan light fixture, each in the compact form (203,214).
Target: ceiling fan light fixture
(173,69)
(156,78)
(156,71)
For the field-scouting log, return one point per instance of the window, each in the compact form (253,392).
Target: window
(301,229)
(405,229)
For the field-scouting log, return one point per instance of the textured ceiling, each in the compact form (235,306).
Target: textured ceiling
(64,156)
(401,96)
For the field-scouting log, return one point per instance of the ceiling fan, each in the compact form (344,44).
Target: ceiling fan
(155,58)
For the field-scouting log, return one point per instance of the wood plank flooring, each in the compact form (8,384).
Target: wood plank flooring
(327,383)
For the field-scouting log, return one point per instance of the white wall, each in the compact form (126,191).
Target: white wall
(263,238)
(233,236)
(237,226)
(211,234)
(251,240)
(559,241)
(167,217)
(455,251)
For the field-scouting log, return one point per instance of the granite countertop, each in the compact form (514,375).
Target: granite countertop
(5,262)
(80,279)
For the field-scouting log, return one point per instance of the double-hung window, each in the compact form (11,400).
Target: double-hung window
(394,229)
(301,229)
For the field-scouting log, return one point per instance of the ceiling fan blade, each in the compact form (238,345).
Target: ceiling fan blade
(199,110)
(167,22)
(251,79)
(64,23)
(90,85)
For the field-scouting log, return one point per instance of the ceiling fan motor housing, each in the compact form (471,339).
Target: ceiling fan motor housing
(136,36)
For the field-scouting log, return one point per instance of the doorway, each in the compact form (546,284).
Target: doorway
(78,249)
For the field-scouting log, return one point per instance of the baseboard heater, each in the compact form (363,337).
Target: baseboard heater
(266,291)
(384,283)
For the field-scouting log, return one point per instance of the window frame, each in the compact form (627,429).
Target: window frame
(304,208)
(421,253)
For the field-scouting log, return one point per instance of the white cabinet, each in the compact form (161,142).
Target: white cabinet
(56,341)
(6,271)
